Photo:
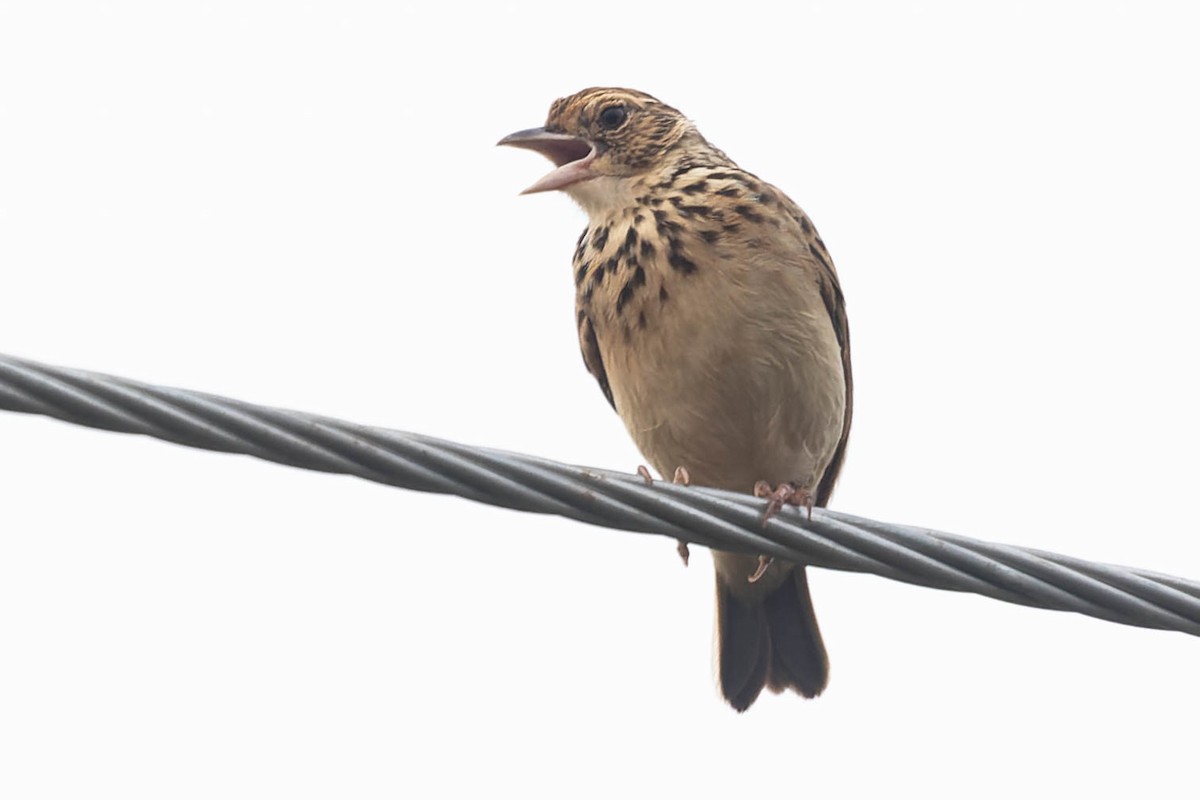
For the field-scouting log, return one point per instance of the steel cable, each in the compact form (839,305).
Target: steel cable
(714,518)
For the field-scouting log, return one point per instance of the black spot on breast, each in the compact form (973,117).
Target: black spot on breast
(749,213)
(642,320)
(721,176)
(689,210)
(684,170)
(600,238)
(581,272)
(610,265)
(663,295)
(694,188)
(680,262)
(712,237)
(666,226)
(624,297)
(728,191)
(805,225)
(647,248)
(635,282)
(639,218)
(631,240)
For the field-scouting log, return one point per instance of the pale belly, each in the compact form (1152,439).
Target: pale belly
(736,399)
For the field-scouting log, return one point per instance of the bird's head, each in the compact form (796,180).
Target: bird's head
(600,138)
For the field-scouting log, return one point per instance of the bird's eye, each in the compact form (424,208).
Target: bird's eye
(613,117)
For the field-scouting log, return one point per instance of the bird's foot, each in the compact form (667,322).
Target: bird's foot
(784,494)
(683,479)
(681,547)
(764,563)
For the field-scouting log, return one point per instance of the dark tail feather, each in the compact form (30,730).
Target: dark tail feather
(743,647)
(798,658)
(774,643)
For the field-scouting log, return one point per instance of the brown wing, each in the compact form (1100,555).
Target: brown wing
(587,332)
(591,355)
(835,304)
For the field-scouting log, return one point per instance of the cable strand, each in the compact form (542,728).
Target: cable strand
(719,519)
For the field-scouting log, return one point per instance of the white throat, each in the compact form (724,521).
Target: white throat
(602,196)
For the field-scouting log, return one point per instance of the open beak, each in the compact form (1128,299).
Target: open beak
(571,155)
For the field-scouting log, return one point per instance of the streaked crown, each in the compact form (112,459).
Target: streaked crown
(632,127)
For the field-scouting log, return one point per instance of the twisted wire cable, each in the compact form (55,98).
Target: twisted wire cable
(710,517)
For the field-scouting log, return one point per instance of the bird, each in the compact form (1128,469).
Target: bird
(710,314)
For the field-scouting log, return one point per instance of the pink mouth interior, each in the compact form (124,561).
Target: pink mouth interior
(564,151)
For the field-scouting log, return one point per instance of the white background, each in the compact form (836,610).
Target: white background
(300,204)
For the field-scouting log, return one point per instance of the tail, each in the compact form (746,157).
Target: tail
(772,641)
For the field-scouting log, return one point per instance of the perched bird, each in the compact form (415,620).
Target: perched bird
(711,316)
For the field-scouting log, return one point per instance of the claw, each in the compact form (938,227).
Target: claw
(764,563)
(781,495)
(683,479)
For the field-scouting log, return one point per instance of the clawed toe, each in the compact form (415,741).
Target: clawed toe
(681,478)
(784,494)
(764,563)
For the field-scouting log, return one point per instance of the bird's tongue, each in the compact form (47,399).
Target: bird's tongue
(565,175)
